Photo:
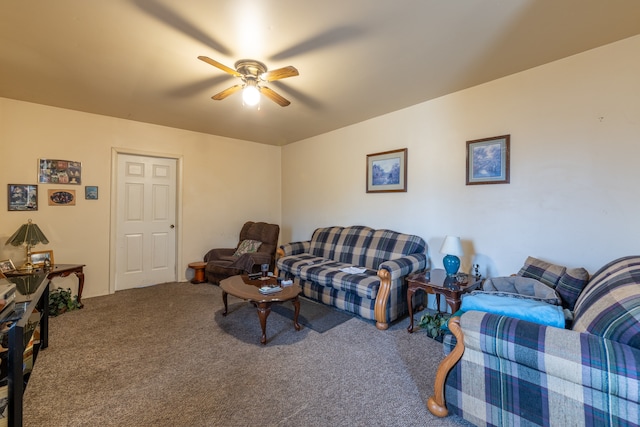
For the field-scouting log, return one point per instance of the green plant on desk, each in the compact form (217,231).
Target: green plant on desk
(433,323)
(61,300)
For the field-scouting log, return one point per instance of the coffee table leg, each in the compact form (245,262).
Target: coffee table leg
(224,300)
(296,306)
(264,308)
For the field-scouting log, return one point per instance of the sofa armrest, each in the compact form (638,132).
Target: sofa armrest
(390,272)
(404,266)
(577,357)
(218,253)
(436,403)
(294,248)
(260,257)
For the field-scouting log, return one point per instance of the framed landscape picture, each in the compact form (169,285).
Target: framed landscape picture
(488,160)
(91,192)
(22,197)
(387,171)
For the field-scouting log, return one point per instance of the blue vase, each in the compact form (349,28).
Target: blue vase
(451,264)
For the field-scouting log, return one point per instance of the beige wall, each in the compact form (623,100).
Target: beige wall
(573,199)
(225,182)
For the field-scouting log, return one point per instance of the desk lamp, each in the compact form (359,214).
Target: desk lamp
(29,234)
(452,248)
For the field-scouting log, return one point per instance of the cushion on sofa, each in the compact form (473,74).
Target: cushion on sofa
(330,274)
(352,244)
(323,241)
(387,245)
(571,285)
(547,273)
(524,287)
(609,306)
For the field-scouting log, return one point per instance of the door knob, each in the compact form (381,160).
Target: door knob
(172,226)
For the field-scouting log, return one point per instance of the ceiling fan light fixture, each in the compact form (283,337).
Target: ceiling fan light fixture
(253,75)
(250,93)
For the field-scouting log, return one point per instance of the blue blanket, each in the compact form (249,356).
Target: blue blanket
(519,308)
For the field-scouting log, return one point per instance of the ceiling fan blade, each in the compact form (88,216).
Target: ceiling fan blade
(280,73)
(220,66)
(222,95)
(274,96)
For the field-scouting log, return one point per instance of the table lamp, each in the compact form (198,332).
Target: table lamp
(452,248)
(29,234)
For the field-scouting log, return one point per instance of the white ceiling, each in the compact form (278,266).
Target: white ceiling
(358,59)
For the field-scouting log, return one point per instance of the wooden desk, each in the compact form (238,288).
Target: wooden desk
(438,284)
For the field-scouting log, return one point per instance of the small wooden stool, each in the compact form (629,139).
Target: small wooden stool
(198,268)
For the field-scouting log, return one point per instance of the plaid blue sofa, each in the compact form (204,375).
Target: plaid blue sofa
(378,293)
(517,373)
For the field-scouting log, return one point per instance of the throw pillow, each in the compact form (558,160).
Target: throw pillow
(524,287)
(570,285)
(247,247)
(547,273)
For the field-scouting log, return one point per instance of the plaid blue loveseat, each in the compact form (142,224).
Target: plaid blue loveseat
(379,292)
(517,373)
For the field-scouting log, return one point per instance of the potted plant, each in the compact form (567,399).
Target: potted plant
(61,301)
(433,323)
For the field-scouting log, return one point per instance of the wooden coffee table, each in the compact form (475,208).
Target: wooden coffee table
(244,288)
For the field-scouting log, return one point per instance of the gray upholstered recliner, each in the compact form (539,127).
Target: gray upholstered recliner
(226,262)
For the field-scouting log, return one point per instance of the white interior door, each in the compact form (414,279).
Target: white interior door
(145,225)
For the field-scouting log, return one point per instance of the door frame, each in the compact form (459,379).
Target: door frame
(115,152)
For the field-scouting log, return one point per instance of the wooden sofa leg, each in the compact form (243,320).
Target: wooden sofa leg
(436,404)
(382,299)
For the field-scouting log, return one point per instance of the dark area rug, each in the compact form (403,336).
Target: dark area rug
(313,315)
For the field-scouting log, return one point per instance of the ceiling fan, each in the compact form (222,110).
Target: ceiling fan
(253,75)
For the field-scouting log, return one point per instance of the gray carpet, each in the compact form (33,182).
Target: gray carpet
(165,356)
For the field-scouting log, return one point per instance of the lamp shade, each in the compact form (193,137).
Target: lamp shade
(29,234)
(451,246)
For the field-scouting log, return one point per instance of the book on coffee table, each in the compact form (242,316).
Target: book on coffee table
(266,290)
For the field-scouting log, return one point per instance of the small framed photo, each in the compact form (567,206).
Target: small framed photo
(7,266)
(488,160)
(387,171)
(61,197)
(91,192)
(22,197)
(38,258)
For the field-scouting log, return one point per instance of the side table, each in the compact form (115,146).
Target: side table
(60,270)
(198,268)
(438,284)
